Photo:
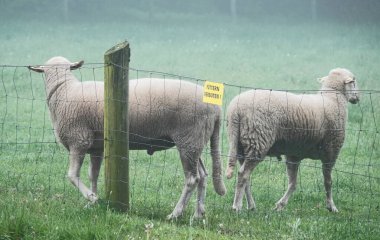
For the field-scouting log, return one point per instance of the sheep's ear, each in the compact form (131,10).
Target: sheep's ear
(349,80)
(39,69)
(76,65)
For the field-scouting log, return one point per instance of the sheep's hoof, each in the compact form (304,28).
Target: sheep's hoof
(251,208)
(92,198)
(279,207)
(332,209)
(172,216)
(236,208)
(199,213)
(175,214)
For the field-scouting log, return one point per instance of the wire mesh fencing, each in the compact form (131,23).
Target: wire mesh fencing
(34,165)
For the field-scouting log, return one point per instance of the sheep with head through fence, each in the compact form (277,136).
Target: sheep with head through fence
(274,123)
(162,113)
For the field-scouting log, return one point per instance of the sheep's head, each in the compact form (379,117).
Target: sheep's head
(342,80)
(57,63)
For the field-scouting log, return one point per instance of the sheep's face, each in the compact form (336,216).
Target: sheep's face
(56,63)
(344,81)
(351,90)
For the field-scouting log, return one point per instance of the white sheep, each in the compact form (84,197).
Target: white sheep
(274,123)
(162,113)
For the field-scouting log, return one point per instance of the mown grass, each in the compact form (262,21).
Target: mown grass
(37,201)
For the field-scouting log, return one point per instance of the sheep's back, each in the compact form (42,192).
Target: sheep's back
(160,107)
(288,123)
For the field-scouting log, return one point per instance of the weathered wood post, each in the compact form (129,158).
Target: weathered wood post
(116,137)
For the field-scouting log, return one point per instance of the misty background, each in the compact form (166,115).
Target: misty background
(221,40)
(364,11)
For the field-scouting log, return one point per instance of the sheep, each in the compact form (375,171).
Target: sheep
(163,113)
(274,123)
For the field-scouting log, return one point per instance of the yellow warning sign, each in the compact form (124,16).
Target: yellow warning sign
(213,93)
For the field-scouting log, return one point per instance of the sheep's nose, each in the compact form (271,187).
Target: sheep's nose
(354,100)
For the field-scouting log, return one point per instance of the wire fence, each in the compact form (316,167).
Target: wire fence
(34,164)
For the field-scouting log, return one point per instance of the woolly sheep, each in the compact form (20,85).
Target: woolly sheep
(162,114)
(273,123)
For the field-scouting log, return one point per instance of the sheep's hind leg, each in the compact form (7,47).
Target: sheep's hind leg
(200,209)
(327,168)
(243,177)
(189,159)
(93,170)
(248,195)
(292,165)
(76,161)
(248,192)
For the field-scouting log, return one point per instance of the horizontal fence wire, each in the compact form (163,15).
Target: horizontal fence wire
(35,161)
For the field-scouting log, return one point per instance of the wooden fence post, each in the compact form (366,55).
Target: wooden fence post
(116,138)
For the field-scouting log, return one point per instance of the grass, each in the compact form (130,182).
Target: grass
(37,201)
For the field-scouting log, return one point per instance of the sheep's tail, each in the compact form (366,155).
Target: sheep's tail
(219,186)
(233,138)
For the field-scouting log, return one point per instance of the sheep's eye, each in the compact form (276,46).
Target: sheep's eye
(351,84)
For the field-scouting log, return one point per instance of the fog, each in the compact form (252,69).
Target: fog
(352,11)
(254,10)
(216,39)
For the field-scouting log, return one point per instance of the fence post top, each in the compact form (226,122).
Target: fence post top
(118,47)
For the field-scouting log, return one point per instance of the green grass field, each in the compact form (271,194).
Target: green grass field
(38,202)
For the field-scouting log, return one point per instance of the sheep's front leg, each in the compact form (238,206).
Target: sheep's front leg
(292,169)
(243,177)
(76,161)
(327,169)
(93,170)
(200,209)
(189,159)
